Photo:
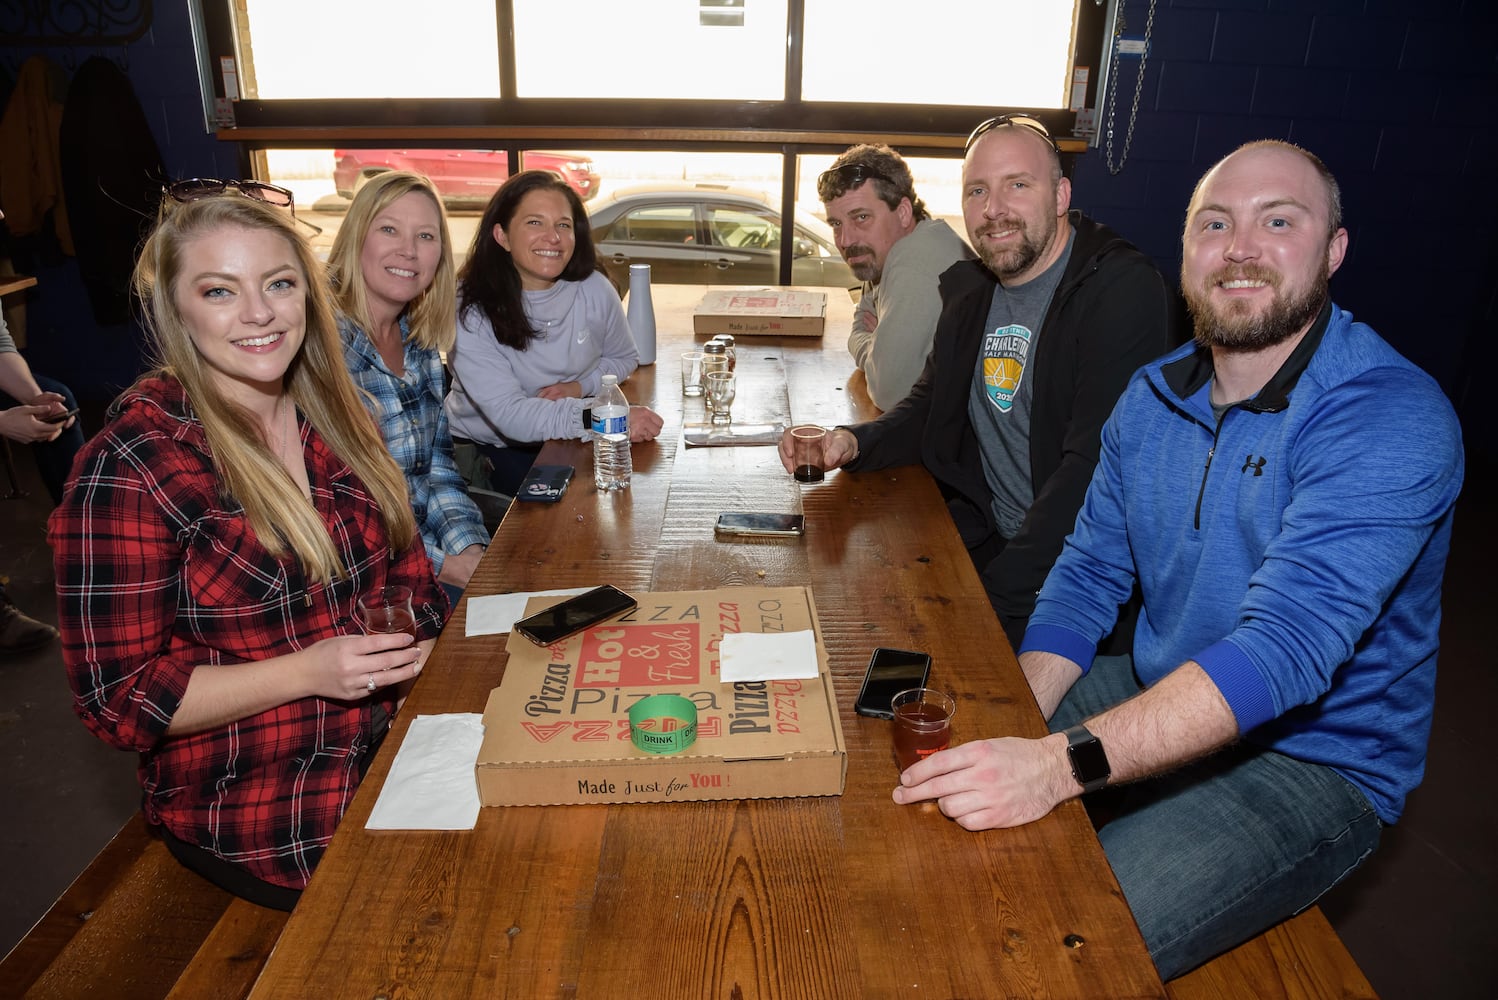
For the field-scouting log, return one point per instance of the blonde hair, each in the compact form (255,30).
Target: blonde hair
(432,315)
(316,380)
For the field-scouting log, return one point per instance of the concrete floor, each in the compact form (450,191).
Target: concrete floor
(1418,917)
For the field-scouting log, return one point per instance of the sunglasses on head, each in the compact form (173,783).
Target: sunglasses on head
(1022,121)
(852,173)
(197,188)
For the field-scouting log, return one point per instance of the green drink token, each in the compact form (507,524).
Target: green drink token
(663,723)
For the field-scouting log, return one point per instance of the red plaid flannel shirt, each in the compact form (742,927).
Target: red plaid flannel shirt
(158,572)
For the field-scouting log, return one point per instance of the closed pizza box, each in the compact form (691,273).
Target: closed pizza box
(556,730)
(768,312)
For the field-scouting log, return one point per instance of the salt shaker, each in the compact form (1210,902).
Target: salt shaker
(714,359)
(726,339)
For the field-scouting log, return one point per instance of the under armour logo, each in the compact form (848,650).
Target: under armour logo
(1258,467)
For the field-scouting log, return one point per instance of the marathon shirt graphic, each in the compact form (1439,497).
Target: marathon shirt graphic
(1005,353)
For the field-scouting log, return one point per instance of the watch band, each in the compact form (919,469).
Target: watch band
(1089,763)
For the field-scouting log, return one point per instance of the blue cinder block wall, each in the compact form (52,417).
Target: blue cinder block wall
(1399,99)
(63,339)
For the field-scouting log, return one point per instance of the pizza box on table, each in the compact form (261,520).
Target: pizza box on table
(556,730)
(776,312)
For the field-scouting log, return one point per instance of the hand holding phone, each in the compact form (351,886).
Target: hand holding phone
(890,672)
(58,418)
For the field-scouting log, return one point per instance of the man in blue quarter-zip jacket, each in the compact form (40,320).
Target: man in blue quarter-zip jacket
(1281,491)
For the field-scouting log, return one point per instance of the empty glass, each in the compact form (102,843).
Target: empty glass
(691,373)
(721,389)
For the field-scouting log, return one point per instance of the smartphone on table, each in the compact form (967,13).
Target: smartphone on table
(748,523)
(574,614)
(545,483)
(890,672)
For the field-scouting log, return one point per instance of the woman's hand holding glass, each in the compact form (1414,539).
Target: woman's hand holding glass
(350,667)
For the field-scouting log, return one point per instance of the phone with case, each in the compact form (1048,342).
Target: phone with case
(545,483)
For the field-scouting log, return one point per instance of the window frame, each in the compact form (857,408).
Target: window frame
(790,127)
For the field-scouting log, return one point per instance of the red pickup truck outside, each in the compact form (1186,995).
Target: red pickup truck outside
(460,175)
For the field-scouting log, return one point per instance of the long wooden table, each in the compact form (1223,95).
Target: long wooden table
(840,896)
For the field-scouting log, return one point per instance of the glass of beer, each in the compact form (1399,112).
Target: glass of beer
(388,609)
(806,444)
(923,724)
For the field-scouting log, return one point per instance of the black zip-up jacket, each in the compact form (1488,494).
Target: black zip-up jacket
(1110,315)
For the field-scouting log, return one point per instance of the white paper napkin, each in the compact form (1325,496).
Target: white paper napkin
(767,656)
(431,784)
(499,612)
(728,435)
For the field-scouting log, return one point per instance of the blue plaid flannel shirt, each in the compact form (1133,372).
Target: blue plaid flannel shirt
(413,423)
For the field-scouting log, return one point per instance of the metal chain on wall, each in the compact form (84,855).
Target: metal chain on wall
(1149,26)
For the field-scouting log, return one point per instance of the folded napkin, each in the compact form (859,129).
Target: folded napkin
(431,784)
(499,612)
(767,656)
(723,435)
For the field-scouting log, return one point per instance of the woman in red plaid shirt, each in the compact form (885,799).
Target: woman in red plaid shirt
(212,544)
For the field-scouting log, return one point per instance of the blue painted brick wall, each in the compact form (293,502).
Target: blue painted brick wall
(1399,99)
(63,338)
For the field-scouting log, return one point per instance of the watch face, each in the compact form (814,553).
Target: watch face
(1088,761)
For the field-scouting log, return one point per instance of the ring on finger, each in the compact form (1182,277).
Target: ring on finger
(369,681)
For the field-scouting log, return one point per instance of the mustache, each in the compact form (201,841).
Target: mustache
(1244,272)
(858,249)
(1000,225)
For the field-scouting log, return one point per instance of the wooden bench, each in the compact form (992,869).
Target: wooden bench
(136,925)
(1300,959)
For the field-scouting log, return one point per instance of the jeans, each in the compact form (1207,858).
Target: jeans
(1213,853)
(54,459)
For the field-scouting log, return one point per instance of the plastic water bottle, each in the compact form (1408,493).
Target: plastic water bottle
(611,462)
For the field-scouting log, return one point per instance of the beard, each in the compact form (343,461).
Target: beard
(1236,327)
(1008,263)
(868,270)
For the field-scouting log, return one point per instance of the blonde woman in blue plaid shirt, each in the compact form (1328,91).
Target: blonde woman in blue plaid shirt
(393,277)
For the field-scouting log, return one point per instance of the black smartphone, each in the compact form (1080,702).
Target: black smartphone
(58,418)
(575,614)
(890,672)
(545,483)
(773,525)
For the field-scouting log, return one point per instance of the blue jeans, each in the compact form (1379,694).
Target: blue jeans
(1213,853)
(54,459)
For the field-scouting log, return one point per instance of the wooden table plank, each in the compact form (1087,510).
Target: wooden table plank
(11,283)
(834,896)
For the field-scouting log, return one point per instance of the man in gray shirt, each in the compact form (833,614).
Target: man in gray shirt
(898,251)
(1033,346)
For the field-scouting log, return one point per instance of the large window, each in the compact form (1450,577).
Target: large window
(993,54)
(948,52)
(649,49)
(753,96)
(295,49)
